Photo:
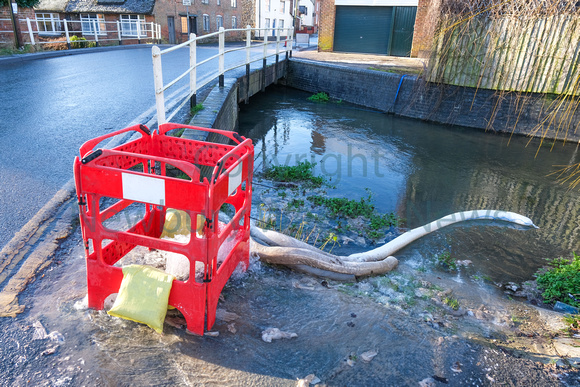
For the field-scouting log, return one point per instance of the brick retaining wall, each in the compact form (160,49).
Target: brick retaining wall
(377,90)
(442,104)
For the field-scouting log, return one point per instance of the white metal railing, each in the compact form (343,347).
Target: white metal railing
(90,31)
(194,83)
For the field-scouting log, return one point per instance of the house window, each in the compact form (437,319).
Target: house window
(267,23)
(219,2)
(205,1)
(268,2)
(88,26)
(219,21)
(206,22)
(48,23)
(280,23)
(184,25)
(282,7)
(234,22)
(133,25)
(234,3)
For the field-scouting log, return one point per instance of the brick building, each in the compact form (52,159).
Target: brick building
(273,14)
(131,19)
(388,27)
(108,20)
(202,17)
(113,20)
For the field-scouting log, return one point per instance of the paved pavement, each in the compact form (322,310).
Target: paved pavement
(364,61)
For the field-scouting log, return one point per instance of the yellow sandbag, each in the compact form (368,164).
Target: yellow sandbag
(178,222)
(143,296)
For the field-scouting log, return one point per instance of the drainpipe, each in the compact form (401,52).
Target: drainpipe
(392,109)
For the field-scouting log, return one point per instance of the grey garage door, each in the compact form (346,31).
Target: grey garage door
(403,26)
(374,30)
(362,29)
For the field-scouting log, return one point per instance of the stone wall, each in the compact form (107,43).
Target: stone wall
(248,17)
(444,104)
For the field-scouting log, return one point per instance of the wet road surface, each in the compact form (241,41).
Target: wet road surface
(51,106)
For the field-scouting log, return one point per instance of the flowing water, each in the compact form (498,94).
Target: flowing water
(420,171)
(423,171)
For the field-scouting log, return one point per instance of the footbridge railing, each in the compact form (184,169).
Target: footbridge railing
(254,51)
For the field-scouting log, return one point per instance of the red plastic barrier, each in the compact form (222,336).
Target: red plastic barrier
(136,172)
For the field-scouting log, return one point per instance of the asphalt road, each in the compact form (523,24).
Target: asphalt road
(49,107)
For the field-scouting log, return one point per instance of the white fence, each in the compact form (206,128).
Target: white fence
(81,32)
(252,54)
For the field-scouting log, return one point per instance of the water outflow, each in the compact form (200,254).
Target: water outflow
(424,171)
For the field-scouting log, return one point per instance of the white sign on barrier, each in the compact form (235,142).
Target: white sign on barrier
(302,39)
(143,189)
(235,178)
(186,2)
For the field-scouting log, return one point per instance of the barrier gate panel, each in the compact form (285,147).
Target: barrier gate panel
(135,173)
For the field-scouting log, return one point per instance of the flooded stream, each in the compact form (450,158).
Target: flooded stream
(423,171)
(419,171)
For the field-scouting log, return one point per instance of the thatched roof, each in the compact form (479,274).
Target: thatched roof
(51,5)
(111,6)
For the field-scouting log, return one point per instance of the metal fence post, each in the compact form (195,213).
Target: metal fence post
(221,58)
(193,72)
(66,33)
(291,40)
(138,31)
(152,32)
(119,33)
(248,58)
(96,34)
(30,32)
(278,30)
(158,82)
(265,54)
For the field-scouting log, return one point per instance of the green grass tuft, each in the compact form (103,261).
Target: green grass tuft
(561,280)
